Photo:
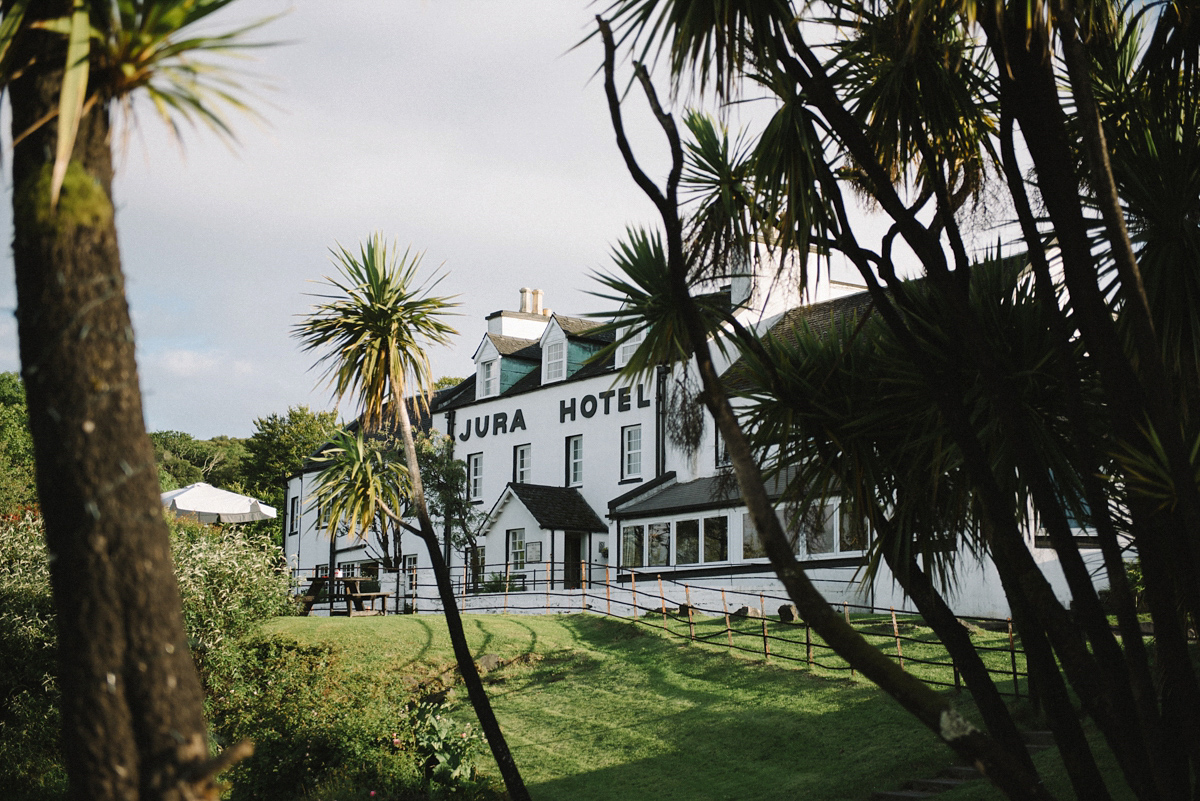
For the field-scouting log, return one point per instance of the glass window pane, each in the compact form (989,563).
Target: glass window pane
(752,546)
(575,457)
(660,544)
(632,444)
(631,546)
(819,524)
(716,539)
(516,545)
(852,533)
(687,542)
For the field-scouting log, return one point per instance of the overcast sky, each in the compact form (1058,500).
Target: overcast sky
(468,130)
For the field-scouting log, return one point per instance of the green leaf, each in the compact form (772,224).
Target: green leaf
(11,24)
(74,91)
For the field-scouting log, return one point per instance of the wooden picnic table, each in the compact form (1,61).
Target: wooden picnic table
(358,603)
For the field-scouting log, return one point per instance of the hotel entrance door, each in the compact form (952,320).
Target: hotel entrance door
(572,560)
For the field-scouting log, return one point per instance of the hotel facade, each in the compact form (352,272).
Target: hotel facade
(579,485)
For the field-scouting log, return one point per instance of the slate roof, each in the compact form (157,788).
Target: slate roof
(558,508)
(579,327)
(516,347)
(711,492)
(819,318)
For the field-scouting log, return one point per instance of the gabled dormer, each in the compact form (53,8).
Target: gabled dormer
(487,369)
(567,343)
(500,362)
(554,353)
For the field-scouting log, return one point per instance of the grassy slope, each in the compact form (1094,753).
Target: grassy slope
(599,709)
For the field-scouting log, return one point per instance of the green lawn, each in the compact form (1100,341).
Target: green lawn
(597,708)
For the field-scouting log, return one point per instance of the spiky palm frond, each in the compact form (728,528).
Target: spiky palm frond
(843,411)
(725,214)
(787,165)
(642,289)
(917,80)
(116,48)
(376,326)
(359,479)
(713,39)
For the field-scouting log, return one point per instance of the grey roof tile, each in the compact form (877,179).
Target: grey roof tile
(558,508)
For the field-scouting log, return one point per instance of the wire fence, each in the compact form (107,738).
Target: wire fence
(725,617)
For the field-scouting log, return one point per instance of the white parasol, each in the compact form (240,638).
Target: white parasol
(208,504)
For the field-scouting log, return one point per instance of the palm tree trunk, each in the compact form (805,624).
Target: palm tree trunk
(929,707)
(133,725)
(941,618)
(458,638)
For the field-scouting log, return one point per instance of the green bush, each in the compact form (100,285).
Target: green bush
(229,579)
(311,730)
(29,721)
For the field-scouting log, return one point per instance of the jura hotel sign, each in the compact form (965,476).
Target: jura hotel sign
(620,399)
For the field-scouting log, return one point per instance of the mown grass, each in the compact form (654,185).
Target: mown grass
(598,708)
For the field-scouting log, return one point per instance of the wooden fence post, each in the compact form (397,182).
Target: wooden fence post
(607,592)
(507,572)
(1012,654)
(548,588)
(728,628)
(662,602)
(762,604)
(808,643)
(687,594)
(896,634)
(582,587)
(846,614)
(633,586)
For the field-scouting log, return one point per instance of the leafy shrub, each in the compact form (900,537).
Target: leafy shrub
(1137,584)
(29,720)
(496,583)
(447,751)
(228,578)
(310,729)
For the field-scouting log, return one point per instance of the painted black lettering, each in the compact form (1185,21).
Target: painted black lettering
(564,410)
(623,399)
(587,406)
(518,421)
(606,396)
(643,401)
(500,421)
(466,434)
(481,432)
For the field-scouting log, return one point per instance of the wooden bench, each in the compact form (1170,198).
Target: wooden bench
(355,603)
(355,606)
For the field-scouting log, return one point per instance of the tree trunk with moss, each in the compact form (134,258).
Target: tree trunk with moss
(133,724)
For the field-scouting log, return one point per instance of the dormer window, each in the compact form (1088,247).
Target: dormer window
(629,347)
(489,378)
(556,361)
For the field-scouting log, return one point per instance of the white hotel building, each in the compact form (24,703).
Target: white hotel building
(574,467)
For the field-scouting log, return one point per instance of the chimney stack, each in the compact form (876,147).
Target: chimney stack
(526,300)
(537,301)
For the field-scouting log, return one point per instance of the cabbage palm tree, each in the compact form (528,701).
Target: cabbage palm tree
(675,325)
(372,331)
(132,704)
(1124,335)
